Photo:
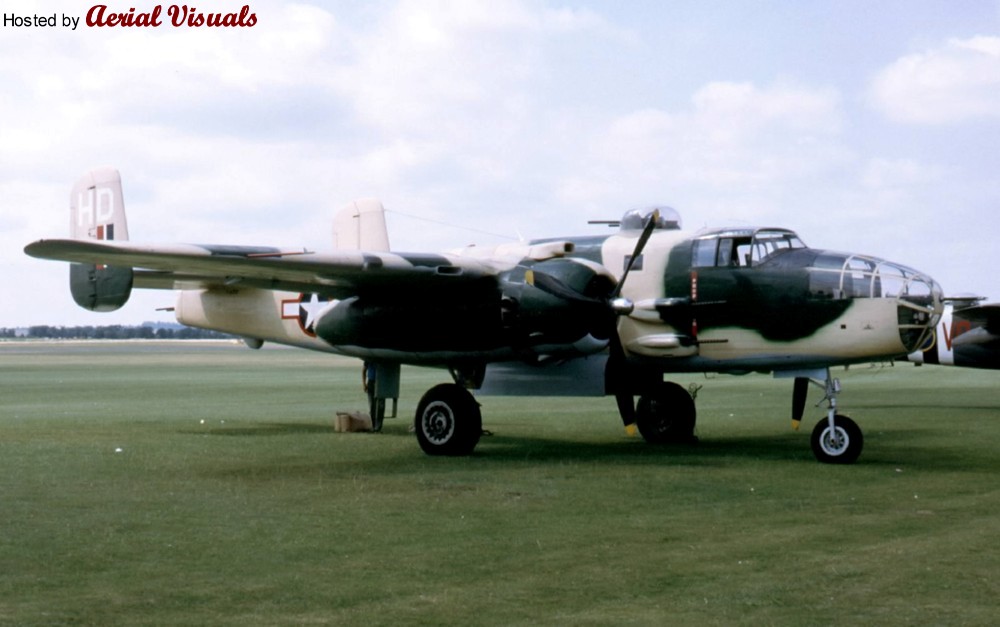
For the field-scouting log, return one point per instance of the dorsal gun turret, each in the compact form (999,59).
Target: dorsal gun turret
(635,219)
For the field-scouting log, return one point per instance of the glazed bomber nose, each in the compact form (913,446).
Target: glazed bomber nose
(917,296)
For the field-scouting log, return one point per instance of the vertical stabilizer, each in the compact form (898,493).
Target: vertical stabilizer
(97,211)
(361,226)
(97,208)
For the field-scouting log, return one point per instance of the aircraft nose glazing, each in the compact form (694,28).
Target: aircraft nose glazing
(918,297)
(919,304)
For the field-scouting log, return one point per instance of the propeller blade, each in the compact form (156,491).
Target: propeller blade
(607,309)
(799,391)
(618,374)
(647,232)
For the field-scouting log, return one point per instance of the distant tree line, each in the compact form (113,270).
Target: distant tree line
(113,332)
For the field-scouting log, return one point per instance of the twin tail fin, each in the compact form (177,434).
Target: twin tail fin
(97,211)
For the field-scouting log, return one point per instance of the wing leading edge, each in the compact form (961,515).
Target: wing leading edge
(337,274)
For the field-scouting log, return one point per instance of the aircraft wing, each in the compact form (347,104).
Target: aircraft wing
(337,274)
(985,321)
(987,316)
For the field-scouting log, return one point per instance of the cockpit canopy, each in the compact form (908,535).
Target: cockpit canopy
(842,275)
(824,275)
(741,247)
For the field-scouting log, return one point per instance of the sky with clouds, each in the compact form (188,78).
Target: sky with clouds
(866,127)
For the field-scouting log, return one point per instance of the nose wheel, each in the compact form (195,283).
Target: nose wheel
(837,440)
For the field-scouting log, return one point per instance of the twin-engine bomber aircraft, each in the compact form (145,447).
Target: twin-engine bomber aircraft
(594,315)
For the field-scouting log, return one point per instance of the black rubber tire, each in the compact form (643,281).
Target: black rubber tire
(667,416)
(842,447)
(448,421)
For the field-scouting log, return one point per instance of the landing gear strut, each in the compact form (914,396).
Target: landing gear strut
(836,439)
(380,381)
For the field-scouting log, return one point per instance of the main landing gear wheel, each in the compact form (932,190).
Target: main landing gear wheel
(840,445)
(448,421)
(667,415)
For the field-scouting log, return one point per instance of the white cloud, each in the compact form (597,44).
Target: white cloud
(508,117)
(258,135)
(736,142)
(957,82)
(440,69)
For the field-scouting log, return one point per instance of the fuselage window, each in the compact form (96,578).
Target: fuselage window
(743,256)
(704,253)
(725,252)
(741,251)
(725,257)
(768,243)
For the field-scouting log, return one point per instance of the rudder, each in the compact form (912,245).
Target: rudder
(361,226)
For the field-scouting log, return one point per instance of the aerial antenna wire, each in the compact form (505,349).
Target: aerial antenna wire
(452,225)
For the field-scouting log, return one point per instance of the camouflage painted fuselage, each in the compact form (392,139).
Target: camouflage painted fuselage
(757,299)
(721,300)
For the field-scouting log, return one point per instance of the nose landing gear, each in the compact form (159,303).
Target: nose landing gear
(836,439)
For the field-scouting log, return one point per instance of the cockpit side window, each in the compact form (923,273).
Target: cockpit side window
(742,255)
(741,249)
(767,243)
(725,256)
(734,252)
(722,252)
(703,255)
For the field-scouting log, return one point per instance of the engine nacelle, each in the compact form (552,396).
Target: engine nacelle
(570,315)
(418,325)
(521,320)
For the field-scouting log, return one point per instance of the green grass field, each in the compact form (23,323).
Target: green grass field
(233,502)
